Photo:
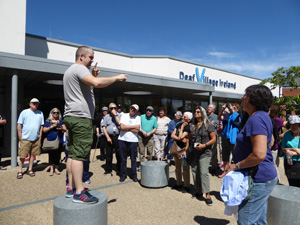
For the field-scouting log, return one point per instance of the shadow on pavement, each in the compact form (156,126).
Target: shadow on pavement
(210,221)
(217,195)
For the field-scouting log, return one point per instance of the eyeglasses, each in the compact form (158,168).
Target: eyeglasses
(197,112)
(148,110)
(55,112)
(113,108)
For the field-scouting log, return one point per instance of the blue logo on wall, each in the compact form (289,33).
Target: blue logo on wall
(206,80)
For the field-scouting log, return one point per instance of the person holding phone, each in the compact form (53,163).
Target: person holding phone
(54,128)
(202,139)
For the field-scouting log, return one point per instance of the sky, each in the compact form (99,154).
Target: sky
(249,37)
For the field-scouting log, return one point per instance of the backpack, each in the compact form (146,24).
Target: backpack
(276,139)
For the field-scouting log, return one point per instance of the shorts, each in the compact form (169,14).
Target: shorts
(32,147)
(80,137)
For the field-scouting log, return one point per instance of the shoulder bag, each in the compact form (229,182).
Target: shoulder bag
(51,145)
(292,171)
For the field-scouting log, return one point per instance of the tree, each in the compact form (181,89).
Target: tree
(289,79)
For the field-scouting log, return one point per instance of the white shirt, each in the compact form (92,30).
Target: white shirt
(127,120)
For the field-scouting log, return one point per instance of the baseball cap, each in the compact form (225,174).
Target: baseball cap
(104,108)
(294,119)
(135,106)
(34,100)
(119,106)
(150,108)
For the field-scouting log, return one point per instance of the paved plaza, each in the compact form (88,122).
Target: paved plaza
(30,200)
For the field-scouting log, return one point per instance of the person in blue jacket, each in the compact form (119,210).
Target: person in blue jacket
(230,132)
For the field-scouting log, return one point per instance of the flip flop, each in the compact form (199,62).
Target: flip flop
(19,175)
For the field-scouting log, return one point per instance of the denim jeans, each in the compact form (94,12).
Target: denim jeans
(254,210)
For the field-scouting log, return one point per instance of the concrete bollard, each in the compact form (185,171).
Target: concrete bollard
(284,206)
(154,174)
(68,212)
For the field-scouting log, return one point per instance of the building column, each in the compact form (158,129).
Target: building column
(14,112)
(210,101)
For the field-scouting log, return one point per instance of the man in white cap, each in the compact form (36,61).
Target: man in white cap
(130,125)
(30,128)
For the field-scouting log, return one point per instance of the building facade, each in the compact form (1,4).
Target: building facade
(33,66)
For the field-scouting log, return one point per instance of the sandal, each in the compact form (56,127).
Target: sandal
(31,173)
(3,168)
(57,172)
(19,175)
(51,174)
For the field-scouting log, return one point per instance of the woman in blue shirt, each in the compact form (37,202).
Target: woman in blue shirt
(54,128)
(253,151)
(290,146)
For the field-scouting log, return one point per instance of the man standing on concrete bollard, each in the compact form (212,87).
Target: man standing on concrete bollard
(130,125)
(79,113)
(146,139)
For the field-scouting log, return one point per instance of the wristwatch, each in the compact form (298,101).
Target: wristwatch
(237,166)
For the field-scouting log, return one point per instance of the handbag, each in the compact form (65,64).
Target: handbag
(175,150)
(292,171)
(51,145)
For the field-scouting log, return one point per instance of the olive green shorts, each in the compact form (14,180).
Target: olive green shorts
(80,137)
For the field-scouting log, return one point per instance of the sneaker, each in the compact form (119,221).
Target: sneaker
(135,179)
(84,197)
(88,181)
(187,189)
(208,201)
(70,192)
(107,172)
(122,179)
(177,187)
(102,158)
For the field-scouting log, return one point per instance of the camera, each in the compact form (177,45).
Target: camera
(227,105)
(58,125)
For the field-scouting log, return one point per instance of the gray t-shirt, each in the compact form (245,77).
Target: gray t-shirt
(79,97)
(201,136)
(110,124)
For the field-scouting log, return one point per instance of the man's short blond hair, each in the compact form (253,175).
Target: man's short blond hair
(83,50)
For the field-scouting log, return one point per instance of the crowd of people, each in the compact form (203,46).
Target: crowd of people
(200,141)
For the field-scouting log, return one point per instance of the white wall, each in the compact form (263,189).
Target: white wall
(12,26)
(157,66)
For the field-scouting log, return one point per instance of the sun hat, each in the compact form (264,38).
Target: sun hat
(294,119)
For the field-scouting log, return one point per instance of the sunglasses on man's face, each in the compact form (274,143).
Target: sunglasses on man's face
(149,110)
(113,108)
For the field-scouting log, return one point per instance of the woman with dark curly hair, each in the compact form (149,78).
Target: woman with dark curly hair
(253,153)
